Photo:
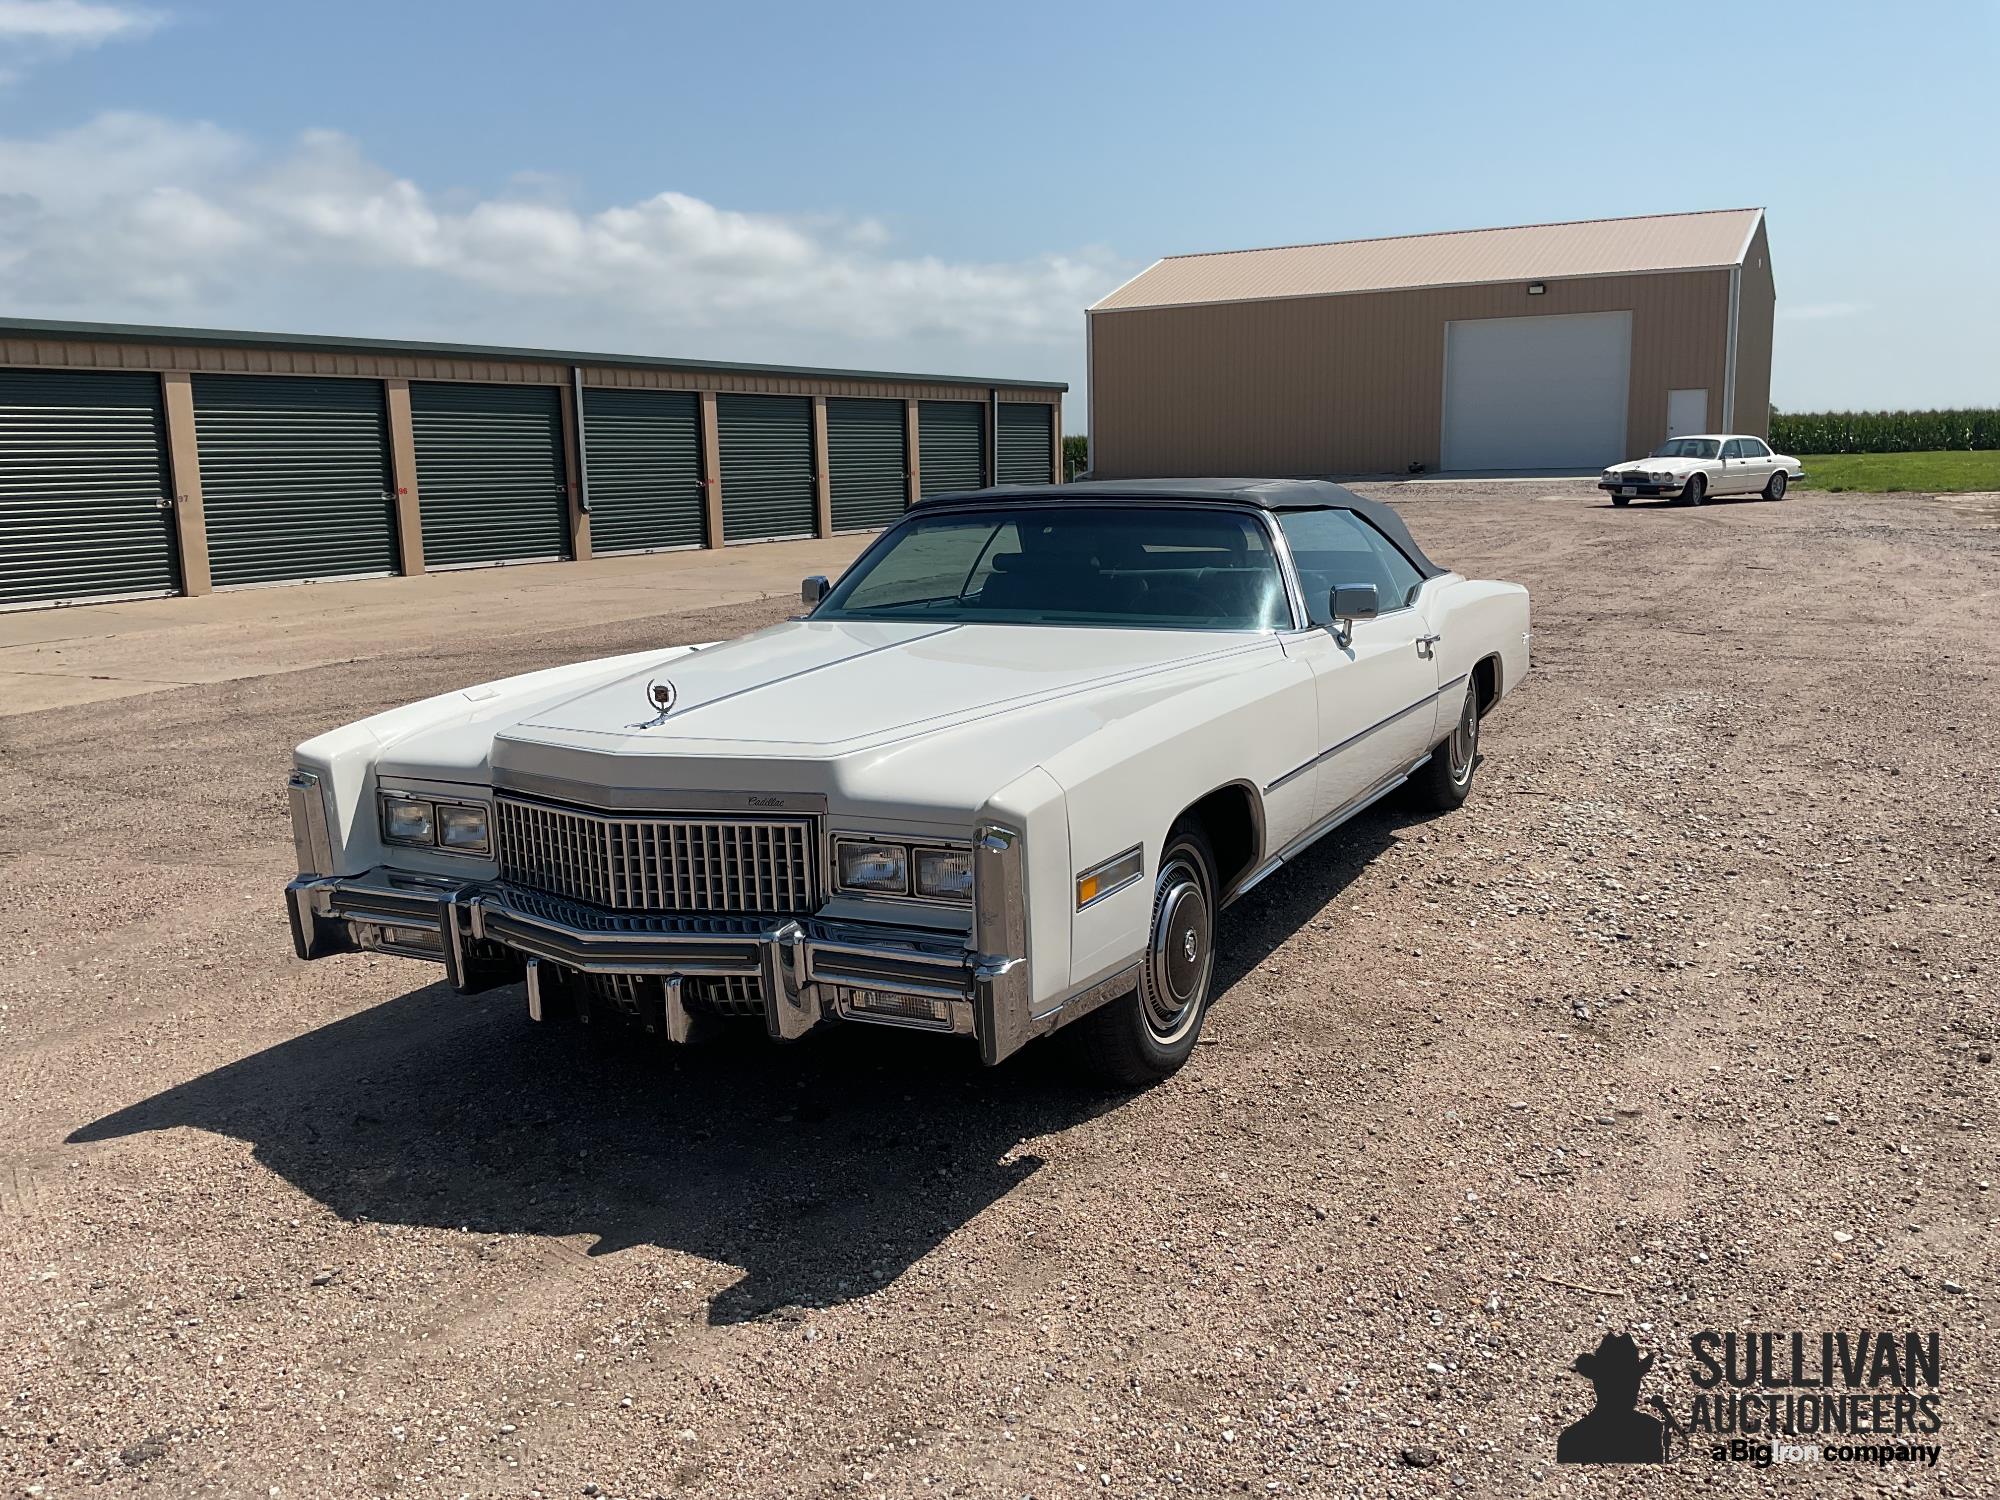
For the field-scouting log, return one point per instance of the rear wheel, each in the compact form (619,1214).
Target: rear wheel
(1694,491)
(1445,780)
(1146,1035)
(1774,487)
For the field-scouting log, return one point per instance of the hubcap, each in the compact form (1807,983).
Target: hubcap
(1181,957)
(1777,486)
(1465,740)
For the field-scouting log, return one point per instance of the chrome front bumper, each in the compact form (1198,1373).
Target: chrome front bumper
(806,969)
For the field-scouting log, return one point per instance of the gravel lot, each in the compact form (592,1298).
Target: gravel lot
(1685,1021)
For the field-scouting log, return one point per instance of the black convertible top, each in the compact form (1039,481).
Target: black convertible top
(1266,494)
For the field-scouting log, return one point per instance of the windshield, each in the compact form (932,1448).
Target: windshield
(1177,568)
(1685,448)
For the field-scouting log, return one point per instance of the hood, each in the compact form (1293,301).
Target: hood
(839,687)
(1658,466)
(903,717)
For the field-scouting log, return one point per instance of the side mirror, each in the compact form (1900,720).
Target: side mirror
(1348,602)
(813,589)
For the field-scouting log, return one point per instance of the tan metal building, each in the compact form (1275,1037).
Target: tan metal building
(139,461)
(1543,347)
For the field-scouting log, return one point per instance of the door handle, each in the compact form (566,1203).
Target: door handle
(1427,646)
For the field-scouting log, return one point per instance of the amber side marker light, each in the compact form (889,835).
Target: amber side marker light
(1114,874)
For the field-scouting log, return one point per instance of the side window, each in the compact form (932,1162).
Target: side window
(1733,448)
(1404,578)
(1754,448)
(1333,548)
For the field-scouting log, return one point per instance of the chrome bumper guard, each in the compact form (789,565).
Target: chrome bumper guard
(489,933)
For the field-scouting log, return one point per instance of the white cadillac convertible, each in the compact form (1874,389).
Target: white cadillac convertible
(1000,780)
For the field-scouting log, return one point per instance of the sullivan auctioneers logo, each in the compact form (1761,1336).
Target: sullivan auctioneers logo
(1766,1398)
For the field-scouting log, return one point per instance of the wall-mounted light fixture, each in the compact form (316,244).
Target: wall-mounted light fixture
(1535,289)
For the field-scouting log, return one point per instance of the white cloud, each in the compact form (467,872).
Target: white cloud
(140,218)
(38,31)
(1816,311)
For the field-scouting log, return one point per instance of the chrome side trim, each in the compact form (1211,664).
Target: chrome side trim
(1323,827)
(310,839)
(1401,713)
(1081,1002)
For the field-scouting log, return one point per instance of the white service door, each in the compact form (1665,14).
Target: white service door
(1687,412)
(1536,393)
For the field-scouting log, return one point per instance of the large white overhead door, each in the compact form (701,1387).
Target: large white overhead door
(1536,393)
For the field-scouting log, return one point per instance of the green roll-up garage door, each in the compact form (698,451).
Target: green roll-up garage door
(867,461)
(767,474)
(84,491)
(295,478)
(951,445)
(642,452)
(490,480)
(1027,438)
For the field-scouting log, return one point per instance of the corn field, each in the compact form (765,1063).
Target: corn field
(1884,431)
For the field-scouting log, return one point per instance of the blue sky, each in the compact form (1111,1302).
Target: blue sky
(924,186)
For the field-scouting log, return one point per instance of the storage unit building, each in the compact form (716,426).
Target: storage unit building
(643,458)
(142,461)
(951,442)
(490,473)
(1541,348)
(295,478)
(85,499)
(1026,433)
(768,482)
(868,461)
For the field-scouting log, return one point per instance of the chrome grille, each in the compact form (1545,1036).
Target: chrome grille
(659,862)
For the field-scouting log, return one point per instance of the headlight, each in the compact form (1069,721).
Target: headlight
(405,820)
(461,826)
(945,873)
(421,823)
(889,867)
(881,869)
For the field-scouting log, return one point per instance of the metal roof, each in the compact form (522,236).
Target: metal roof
(1466,257)
(1266,494)
(232,338)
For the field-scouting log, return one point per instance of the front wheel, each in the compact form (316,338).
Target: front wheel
(1445,780)
(1621,500)
(1146,1035)
(1774,487)
(1694,491)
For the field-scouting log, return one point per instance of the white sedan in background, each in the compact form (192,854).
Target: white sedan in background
(1692,468)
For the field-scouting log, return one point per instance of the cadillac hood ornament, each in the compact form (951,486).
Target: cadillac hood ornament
(662,696)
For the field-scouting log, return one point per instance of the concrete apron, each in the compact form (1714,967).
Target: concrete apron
(52,658)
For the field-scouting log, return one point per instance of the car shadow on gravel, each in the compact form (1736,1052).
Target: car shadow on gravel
(822,1170)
